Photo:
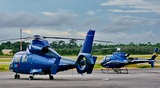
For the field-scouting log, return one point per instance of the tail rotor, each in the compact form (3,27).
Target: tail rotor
(85,62)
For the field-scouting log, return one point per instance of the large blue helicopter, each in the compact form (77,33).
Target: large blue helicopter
(119,59)
(40,58)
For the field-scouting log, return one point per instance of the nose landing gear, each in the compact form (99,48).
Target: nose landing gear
(17,76)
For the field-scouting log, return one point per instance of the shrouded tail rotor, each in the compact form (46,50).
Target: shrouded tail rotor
(85,63)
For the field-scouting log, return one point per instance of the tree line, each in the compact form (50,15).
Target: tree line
(72,48)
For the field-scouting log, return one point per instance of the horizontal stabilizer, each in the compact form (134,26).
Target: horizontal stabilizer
(55,65)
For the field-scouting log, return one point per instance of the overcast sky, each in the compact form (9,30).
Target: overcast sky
(119,21)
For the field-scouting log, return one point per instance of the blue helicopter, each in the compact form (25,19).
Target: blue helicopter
(119,59)
(40,58)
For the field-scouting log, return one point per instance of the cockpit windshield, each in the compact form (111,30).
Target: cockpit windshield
(24,58)
(17,58)
(107,59)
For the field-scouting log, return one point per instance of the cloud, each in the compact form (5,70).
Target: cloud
(130,17)
(24,19)
(99,10)
(130,11)
(10,33)
(123,2)
(144,6)
(93,22)
(120,25)
(61,33)
(27,31)
(142,37)
(47,13)
(64,11)
(90,12)
(82,34)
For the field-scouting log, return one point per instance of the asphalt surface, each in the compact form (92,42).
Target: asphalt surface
(137,78)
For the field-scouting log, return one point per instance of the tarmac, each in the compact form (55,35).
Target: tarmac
(137,78)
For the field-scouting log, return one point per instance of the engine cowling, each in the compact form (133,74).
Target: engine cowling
(36,49)
(85,63)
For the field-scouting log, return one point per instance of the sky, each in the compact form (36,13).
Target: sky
(119,21)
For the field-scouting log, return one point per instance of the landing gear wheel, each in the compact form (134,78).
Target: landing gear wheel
(16,76)
(30,77)
(51,77)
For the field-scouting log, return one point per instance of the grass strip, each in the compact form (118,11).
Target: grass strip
(4,67)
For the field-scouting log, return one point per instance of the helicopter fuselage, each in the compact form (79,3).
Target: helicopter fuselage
(119,59)
(24,63)
(116,60)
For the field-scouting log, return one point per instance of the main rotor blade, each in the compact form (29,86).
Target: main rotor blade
(76,39)
(27,38)
(14,39)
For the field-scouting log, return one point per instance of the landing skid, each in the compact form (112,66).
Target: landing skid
(115,70)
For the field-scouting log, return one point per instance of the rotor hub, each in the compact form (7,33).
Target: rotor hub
(36,36)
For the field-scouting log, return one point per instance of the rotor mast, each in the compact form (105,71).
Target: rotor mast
(20,39)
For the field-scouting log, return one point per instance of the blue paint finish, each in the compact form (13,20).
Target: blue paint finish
(43,59)
(40,42)
(154,54)
(87,46)
(152,64)
(120,54)
(118,60)
(55,65)
(92,65)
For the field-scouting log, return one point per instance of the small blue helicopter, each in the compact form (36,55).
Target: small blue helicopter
(40,58)
(119,59)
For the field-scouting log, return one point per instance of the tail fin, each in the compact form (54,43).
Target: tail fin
(154,56)
(85,62)
(87,46)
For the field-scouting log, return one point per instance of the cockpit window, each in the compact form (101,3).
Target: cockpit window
(24,58)
(17,58)
(107,58)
